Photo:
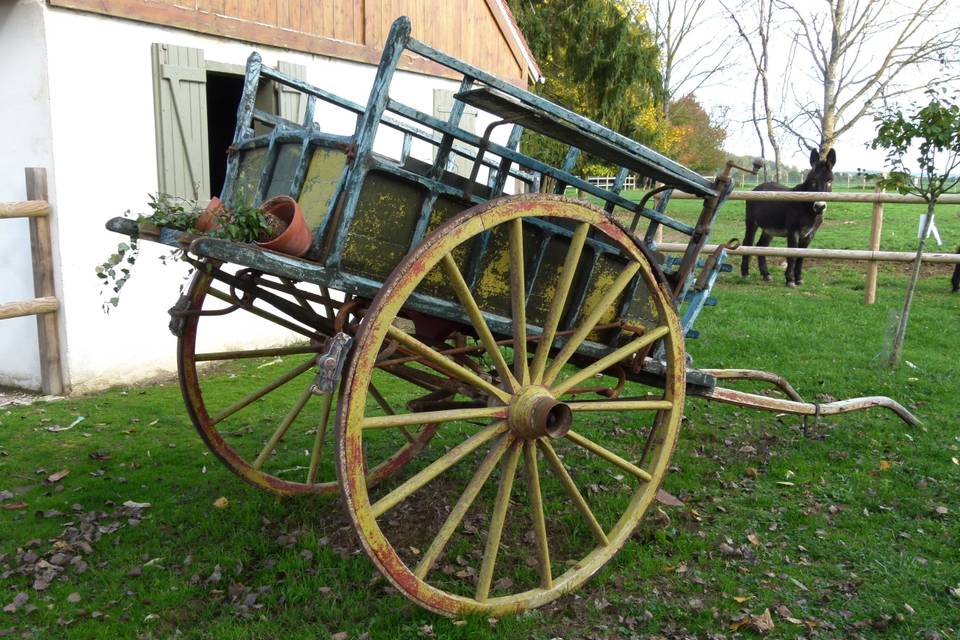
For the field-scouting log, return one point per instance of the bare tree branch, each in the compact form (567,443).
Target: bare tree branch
(687,65)
(858,50)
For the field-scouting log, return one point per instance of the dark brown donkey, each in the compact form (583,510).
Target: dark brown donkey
(798,221)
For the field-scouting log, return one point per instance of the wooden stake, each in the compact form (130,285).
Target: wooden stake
(41,248)
(870,294)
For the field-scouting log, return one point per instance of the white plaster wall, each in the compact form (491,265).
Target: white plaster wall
(25,112)
(102,117)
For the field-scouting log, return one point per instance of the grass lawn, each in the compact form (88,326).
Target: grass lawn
(850,531)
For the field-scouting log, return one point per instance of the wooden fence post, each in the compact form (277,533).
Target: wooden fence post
(876,225)
(41,248)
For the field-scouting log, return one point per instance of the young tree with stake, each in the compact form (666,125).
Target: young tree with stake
(933,131)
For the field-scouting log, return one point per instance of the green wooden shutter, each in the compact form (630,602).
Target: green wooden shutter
(180,104)
(291,104)
(442,106)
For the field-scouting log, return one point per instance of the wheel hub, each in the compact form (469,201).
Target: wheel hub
(534,413)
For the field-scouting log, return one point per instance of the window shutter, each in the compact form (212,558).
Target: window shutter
(291,104)
(180,104)
(442,106)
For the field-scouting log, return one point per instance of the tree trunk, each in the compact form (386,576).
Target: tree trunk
(828,117)
(914,276)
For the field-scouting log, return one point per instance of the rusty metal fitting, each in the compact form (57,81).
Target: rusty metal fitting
(534,413)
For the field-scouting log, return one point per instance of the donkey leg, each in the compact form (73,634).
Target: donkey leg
(764,241)
(798,264)
(748,235)
(793,238)
(955,281)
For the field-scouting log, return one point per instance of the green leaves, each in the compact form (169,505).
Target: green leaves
(930,130)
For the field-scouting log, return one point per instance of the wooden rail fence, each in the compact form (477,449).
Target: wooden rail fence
(873,254)
(45,305)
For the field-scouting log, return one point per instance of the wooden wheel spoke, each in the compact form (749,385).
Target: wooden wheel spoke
(609,360)
(573,492)
(321,434)
(580,334)
(466,298)
(256,353)
(259,393)
(388,409)
(463,505)
(536,513)
(497,519)
(518,302)
(567,272)
(621,405)
(438,466)
(607,455)
(284,425)
(445,364)
(432,417)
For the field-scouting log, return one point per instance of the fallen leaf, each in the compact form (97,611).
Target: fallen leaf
(5,495)
(10,506)
(130,504)
(665,498)
(221,502)
(941,510)
(885,465)
(340,635)
(751,471)
(742,599)
(784,483)
(783,611)
(58,476)
(754,540)
(798,583)
(762,623)
(739,622)
(74,598)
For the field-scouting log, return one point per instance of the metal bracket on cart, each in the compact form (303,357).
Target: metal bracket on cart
(331,363)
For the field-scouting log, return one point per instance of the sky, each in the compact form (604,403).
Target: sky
(733,91)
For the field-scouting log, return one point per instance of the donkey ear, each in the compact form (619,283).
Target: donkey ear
(831,158)
(814,157)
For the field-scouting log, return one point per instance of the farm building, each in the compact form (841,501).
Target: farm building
(118,99)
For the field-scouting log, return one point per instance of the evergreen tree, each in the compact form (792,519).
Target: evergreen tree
(599,59)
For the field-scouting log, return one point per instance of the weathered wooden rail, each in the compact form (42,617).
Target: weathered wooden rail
(873,254)
(45,305)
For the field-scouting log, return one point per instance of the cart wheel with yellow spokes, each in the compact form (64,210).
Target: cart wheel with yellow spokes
(531,484)
(265,412)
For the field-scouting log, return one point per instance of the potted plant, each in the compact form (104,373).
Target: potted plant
(278,225)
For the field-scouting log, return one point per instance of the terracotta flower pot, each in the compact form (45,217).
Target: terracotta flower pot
(207,221)
(296,238)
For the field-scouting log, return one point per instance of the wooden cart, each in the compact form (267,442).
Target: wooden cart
(483,331)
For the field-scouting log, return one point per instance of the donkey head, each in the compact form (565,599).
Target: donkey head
(820,177)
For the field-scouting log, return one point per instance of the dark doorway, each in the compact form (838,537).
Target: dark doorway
(223,97)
